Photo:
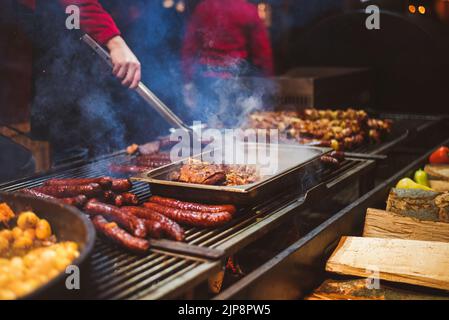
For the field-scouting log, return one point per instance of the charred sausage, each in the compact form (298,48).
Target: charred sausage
(169,227)
(104,182)
(66,191)
(78,201)
(121,185)
(154,229)
(190,206)
(120,236)
(192,218)
(37,194)
(331,161)
(131,223)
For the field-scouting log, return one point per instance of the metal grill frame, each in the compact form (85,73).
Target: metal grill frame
(233,238)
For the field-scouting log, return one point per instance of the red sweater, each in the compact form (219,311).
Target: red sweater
(94,20)
(220,33)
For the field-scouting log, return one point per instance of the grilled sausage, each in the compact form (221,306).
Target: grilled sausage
(36,194)
(66,191)
(331,161)
(190,206)
(192,218)
(169,227)
(120,200)
(128,168)
(109,197)
(120,236)
(78,201)
(104,182)
(121,185)
(154,229)
(129,199)
(339,155)
(131,223)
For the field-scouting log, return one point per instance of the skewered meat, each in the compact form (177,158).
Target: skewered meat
(339,129)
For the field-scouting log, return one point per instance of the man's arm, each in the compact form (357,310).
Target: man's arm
(95,21)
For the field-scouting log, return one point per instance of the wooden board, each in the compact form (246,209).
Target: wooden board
(383,224)
(440,171)
(358,290)
(439,185)
(420,204)
(422,263)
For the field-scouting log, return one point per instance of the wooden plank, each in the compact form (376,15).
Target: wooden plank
(383,224)
(440,171)
(422,263)
(439,185)
(358,290)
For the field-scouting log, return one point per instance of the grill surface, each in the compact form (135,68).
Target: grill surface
(116,274)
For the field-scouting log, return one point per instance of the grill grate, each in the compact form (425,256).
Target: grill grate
(116,274)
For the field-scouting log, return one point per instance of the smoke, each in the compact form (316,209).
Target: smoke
(78,101)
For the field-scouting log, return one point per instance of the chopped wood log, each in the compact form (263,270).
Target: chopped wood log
(439,185)
(358,290)
(383,224)
(440,171)
(422,263)
(420,204)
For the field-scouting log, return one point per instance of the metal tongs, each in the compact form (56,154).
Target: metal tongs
(143,91)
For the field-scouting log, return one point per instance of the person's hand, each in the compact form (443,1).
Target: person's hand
(126,67)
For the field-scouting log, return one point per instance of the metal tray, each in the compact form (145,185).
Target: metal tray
(295,163)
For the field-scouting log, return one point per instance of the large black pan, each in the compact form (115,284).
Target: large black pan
(68,224)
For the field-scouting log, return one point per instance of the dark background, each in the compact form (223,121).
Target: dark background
(408,56)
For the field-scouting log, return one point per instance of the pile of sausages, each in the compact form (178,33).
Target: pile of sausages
(141,163)
(129,226)
(192,214)
(115,212)
(77,192)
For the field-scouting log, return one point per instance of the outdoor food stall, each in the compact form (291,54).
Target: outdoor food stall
(355,207)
